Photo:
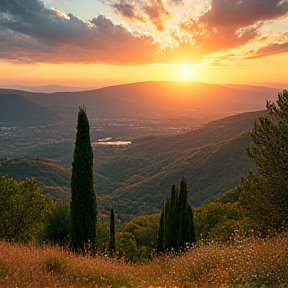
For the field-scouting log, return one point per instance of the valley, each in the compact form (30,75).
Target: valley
(192,133)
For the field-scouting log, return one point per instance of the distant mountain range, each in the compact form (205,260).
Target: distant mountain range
(136,179)
(15,108)
(160,99)
(48,88)
(146,100)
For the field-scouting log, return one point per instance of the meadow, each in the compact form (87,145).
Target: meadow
(242,262)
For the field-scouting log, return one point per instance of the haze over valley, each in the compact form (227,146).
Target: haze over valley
(143,135)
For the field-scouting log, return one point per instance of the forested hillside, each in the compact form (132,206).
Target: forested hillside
(213,159)
(53,178)
(138,179)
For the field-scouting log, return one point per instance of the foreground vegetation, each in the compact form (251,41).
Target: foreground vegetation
(249,262)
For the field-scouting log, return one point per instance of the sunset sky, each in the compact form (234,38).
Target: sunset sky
(103,42)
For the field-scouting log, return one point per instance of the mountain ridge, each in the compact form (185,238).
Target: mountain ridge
(149,168)
(16,108)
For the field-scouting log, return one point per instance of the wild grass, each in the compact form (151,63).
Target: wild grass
(243,263)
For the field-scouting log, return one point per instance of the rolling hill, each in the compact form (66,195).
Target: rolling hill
(160,99)
(53,178)
(43,125)
(138,179)
(17,109)
(212,158)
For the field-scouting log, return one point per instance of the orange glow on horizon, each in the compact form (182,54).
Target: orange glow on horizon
(92,75)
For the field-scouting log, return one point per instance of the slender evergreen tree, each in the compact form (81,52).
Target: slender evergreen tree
(167,227)
(160,244)
(83,206)
(183,203)
(112,233)
(174,219)
(176,224)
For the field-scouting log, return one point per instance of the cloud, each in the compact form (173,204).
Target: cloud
(208,39)
(230,24)
(156,31)
(128,10)
(152,11)
(262,46)
(31,32)
(271,49)
(243,13)
(157,13)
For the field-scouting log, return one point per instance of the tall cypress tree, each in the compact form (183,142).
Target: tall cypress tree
(167,228)
(182,210)
(176,224)
(160,244)
(174,217)
(112,233)
(83,206)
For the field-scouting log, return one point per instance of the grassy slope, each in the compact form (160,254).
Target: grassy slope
(249,263)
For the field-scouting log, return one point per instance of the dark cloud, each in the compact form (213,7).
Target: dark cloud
(144,11)
(232,23)
(243,13)
(29,31)
(127,10)
(209,39)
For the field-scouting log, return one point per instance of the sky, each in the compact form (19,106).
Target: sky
(105,42)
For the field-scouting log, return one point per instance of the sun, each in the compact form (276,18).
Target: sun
(186,72)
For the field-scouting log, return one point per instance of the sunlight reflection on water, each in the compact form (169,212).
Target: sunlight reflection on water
(113,143)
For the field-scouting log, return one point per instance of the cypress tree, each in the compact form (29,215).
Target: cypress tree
(182,236)
(160,244)
(167,228)
(83,206)
(112,233)
(174,217)
(176,224)
(264,194)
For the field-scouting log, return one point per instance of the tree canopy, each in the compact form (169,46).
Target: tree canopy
(23,209)
(57,224)
(112,233)
(265,194)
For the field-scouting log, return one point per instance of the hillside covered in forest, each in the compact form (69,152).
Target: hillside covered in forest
(138,178)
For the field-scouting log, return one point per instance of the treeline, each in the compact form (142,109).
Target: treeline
(256,207)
